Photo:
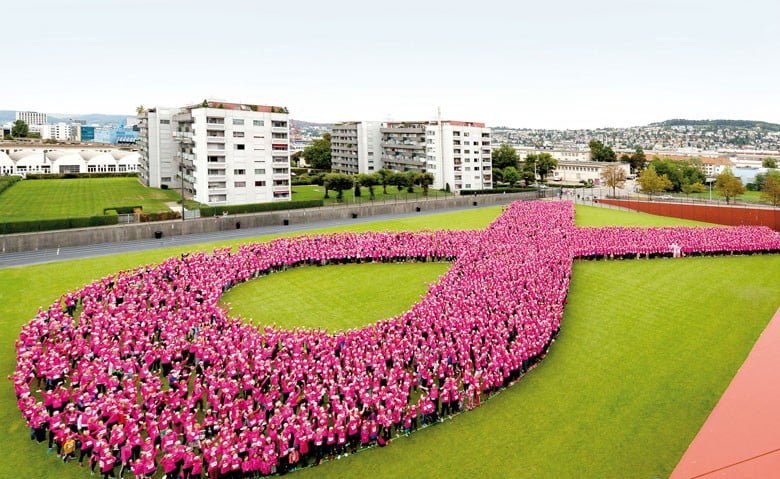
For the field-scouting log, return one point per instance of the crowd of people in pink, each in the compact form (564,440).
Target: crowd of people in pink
(144,373)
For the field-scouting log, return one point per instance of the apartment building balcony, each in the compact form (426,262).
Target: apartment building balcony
(403,145)
(215,126)
(408,130)
(216,139)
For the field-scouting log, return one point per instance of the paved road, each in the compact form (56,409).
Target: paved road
(89,251)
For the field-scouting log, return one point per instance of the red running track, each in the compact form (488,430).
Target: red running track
(741,437)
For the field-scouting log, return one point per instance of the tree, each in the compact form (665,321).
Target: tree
(651,182)
(425,180)
(317,154)
(511,175)
(498,175)
(295,158)
(728,185)
(140,110)
(637,159)
(505,156)
(20,129)
(358,193)
(614,176)
(384,178)
(771,190)
(601,152)
(411,180)
(398,180)
(541,164)
(369,181)
(337,182)
(697,187)
(679,172)
(769,163)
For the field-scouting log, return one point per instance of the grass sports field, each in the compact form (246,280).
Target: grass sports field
(645,351)
(78,197)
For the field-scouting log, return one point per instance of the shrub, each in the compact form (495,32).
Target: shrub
(8,181)
(123,210)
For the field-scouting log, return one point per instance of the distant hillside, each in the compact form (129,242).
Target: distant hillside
(309,124)
(90,118)
(748,124)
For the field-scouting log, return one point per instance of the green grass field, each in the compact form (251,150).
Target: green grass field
(645,351)
(595,216)
(72,198)
(367,293)
(314,192)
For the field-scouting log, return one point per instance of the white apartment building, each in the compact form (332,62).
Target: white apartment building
(157,147)
(32,117)
(403,145)
(226,153)
(59,131)
(458,154)
(356,147)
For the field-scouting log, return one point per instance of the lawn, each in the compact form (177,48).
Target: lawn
(595,216)
(335,297)
(633,375)
(314,192)
(71,198)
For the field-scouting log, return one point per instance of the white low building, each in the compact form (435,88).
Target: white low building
(44,159)
(574,172)
(459,155)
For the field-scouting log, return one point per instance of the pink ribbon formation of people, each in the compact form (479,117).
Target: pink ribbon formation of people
(143,371)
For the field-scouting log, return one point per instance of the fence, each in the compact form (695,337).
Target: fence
(698,210)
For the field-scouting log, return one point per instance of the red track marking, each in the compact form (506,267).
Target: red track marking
(741,437)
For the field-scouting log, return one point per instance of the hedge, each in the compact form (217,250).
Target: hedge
(260,207)
(123,210)
(68,176)
(56,224)
(161,216)
(8,181)
(495,191)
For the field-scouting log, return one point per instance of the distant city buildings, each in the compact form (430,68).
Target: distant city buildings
(225,153)
(32,117)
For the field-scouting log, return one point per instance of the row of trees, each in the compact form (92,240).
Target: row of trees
(340,182)
(727,185)
(508,168)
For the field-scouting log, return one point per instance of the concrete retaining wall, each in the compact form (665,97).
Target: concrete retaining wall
(109,234)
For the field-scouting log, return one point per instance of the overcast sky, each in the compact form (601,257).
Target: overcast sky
(544,64)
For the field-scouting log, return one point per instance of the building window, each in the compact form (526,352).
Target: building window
(240,146)
(240,184)
(238,121)
(258,123)
(165,122)
(259,183)
(239,172)
(259,171)
(238,134)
